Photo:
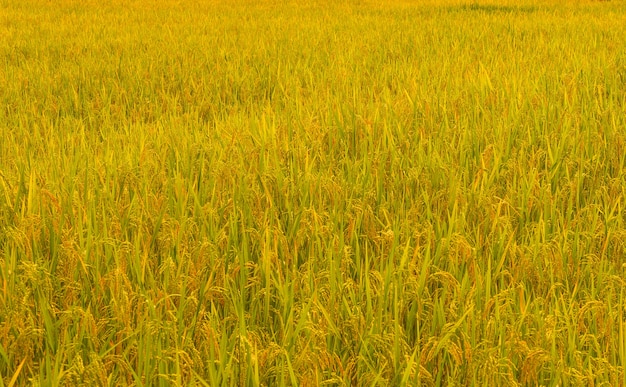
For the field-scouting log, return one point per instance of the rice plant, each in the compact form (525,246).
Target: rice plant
(269,193)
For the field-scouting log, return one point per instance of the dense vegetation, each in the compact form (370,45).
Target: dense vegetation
(306,193)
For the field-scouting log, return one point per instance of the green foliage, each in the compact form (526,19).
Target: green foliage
(352,193)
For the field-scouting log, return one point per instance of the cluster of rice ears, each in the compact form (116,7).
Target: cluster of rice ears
(312,193)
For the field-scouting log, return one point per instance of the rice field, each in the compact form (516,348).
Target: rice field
(306,193)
